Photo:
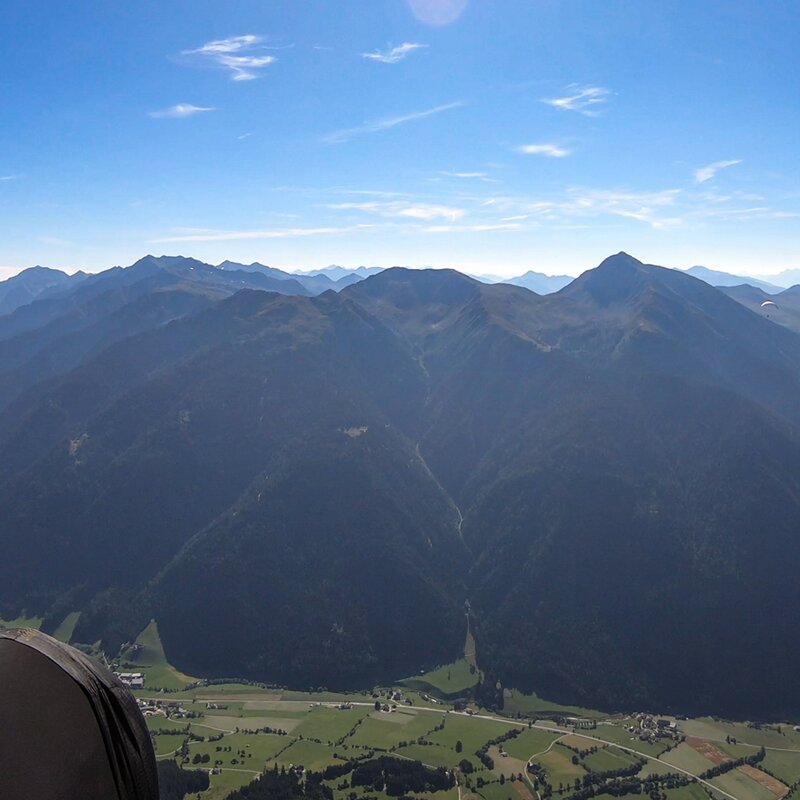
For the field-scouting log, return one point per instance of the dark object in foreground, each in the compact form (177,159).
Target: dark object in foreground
(69,728)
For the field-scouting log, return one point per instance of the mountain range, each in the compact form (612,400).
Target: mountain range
(40,282)
(716,278)
(306,487)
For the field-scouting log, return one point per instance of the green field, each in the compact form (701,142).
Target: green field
(310,754)
(687,758)
(558,764)
(742,786)
(449,680)
(528,743)
(167,744)
(330,724)
(222,785)
(785,765)
(654,768)
(608,758)
(65,630)
(22,621)
(497,791)
(690,792)
(433,755)
(156,722)
(151,661)
(324,697)
(735,750)
(384,730)
(258,749)
(767,735)
(532,705)
(471,732)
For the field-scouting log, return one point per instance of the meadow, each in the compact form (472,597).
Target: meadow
(240,729)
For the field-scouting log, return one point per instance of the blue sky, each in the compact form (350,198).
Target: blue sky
(493,136)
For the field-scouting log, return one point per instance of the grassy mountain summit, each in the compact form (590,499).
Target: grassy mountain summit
(307,489)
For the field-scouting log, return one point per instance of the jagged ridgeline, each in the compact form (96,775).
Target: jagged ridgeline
(305,488)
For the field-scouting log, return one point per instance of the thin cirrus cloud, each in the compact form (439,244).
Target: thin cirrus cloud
(586,100)
(395,54)
(479,228)
(423,211)
(179,111)
(709,171)
(4,178)
(549,150)
(387,123)
(477,176)
(241,55)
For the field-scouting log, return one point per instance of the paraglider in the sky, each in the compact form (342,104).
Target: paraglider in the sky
(69,728)
(768,306)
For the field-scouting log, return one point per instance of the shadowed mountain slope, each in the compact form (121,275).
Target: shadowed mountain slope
(256,386)
(610,474)
(58,332)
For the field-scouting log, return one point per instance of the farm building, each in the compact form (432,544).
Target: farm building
(133,680)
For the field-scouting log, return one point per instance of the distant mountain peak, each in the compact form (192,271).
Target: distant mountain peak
(615,279)
(537,282)
(620,261)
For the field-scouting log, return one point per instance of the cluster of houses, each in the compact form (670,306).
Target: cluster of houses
(151,708)
(170,710)
(649,728)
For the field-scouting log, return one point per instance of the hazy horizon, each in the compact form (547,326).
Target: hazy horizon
(9,272)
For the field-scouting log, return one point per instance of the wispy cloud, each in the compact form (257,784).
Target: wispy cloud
(179,111)
(654,208)
(647,207)
(244,135)
(549,150)
(385,124)
(478,228)
(8,178)
(464,174)
(478,176)
(241,55)
(395,54)
(423,211)
(708,172)
(210,235)
(745,214)
(584,99)
(368,192)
